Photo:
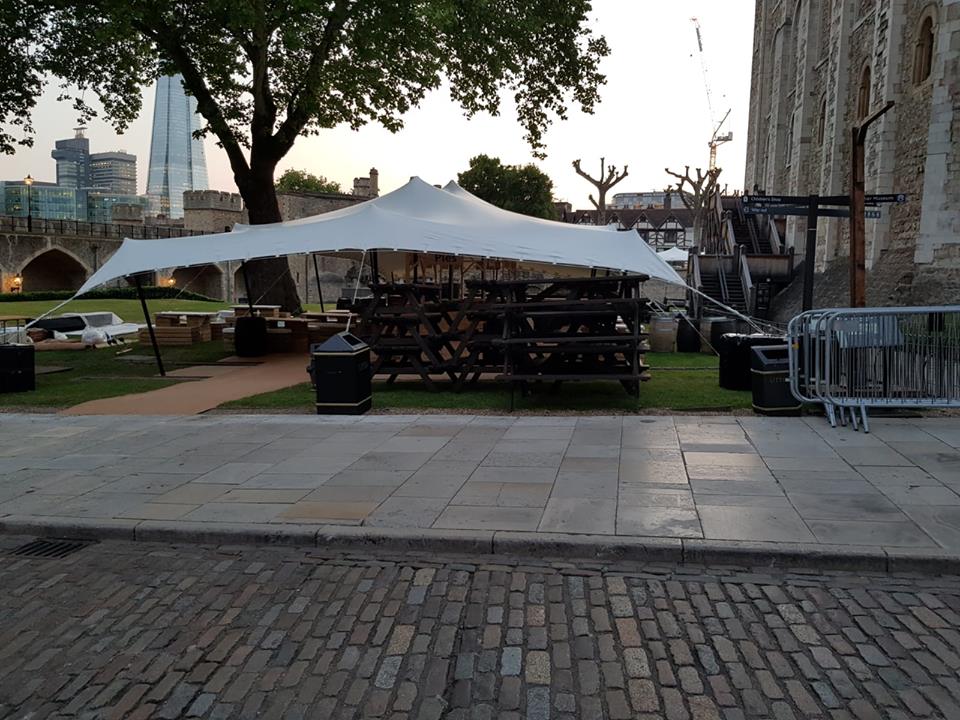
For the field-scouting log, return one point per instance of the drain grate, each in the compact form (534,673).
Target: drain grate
(50,548)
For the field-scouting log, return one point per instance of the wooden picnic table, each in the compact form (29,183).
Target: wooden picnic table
(529,330)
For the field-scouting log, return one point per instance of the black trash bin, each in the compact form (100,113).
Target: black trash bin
(250,336)
(17,368)
(688,336)
(735,358)
(341,374)
(771,381)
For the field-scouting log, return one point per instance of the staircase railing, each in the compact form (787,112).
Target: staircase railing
(775,243)
(731,237)
(749,291)
(693,279)
(722,277)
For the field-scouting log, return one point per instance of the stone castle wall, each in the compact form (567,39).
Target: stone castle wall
(808,62)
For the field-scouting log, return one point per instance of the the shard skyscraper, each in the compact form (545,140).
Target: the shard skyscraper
(177,162)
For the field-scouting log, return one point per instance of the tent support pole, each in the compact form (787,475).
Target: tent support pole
(316,274)
(146,316)
(375,267)
(246,284)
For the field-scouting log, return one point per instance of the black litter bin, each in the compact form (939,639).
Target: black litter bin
(341,374)
(17,369)
(250,336)
(688,336)
(735,358)
(719,328)
(771,381)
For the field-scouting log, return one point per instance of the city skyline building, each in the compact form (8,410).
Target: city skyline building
(73,160)
(177,161)
(114,172)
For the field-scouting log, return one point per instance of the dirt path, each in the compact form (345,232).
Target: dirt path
(193,397)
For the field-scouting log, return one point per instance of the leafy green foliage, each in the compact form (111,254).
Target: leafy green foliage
(519,188)
(264,72)
(302,181)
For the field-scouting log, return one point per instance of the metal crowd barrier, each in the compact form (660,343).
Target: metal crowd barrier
(851,359)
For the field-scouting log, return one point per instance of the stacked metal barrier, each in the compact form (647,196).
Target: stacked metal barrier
(851,359)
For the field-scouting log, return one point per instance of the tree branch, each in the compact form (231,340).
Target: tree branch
(301,100)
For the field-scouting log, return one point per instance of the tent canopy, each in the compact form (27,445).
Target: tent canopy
(417,217)
(674,254)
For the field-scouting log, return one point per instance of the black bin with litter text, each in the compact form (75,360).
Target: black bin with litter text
(341,374)
(770,370)
(17,369)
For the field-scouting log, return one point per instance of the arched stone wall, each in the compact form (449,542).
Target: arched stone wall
(206,280)
(53,269)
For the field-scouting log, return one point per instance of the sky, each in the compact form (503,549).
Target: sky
(653,114)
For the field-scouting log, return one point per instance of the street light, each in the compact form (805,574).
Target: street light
(28,181)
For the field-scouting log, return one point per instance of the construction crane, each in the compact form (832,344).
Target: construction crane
(716,139)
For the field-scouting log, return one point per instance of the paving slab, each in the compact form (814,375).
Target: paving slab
(734,480)
(731,522)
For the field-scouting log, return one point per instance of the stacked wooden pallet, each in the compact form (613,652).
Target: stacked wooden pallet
(176,335)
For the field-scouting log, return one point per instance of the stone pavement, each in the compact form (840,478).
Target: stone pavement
(124,630)
(688,483)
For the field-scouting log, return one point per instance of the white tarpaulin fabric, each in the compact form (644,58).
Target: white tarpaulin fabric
(417,217)
(674,254)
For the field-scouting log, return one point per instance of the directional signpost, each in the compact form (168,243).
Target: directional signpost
(813,207)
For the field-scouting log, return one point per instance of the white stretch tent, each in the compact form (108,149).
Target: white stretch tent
(417,217)
(674,255)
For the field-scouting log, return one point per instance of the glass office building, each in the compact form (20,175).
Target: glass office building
(46,200)
(114,172)
(73,160)
(177,162)
(100,205)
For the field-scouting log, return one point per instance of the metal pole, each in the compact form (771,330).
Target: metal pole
(316,274)
(810,252)
(246,284)
(858,251)
(146,316)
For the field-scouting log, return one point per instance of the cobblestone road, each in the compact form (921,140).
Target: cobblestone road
(135,631)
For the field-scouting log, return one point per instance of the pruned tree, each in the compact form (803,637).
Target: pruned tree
(265,72)
(603,184)
(699,196)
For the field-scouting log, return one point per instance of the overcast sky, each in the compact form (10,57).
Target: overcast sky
(653,114)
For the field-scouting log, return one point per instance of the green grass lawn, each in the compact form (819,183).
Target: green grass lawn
(102,373)
(672,387)
(128,310)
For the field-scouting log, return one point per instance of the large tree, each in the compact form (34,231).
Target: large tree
(302,181)
(264,72)
(520,188)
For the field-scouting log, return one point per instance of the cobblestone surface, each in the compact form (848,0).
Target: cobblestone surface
(134,631)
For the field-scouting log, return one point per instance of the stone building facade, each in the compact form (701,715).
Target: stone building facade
(819,68)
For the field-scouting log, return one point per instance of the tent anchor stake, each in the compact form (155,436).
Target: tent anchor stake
(146,316)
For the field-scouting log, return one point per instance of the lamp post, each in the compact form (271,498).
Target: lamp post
(28,181)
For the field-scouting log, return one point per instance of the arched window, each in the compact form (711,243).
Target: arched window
(863,96)
(923,51)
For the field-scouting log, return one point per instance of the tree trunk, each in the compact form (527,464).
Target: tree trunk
(271,282)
